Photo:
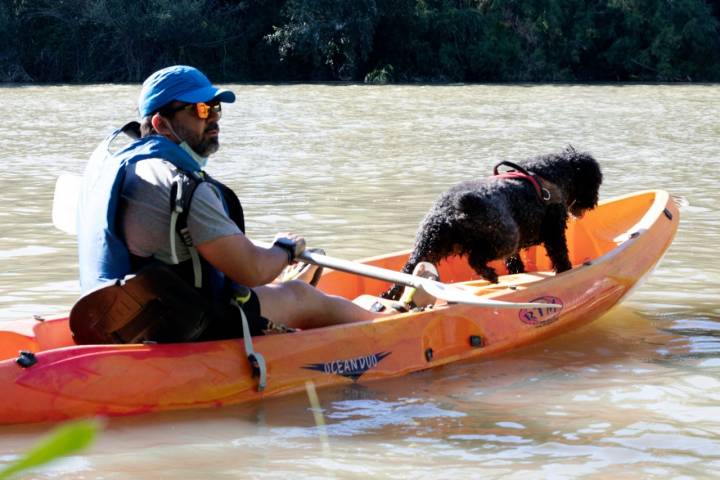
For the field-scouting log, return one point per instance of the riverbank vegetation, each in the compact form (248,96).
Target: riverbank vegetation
(362,40)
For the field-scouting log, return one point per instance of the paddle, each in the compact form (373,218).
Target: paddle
(443,291)
(65,204)
(65,200)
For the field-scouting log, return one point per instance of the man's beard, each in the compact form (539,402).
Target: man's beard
(202,145)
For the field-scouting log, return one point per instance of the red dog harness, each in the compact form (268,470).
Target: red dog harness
(546,191)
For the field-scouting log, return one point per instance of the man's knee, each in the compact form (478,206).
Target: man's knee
(301,291)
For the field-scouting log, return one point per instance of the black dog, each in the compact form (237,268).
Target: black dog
(497,216)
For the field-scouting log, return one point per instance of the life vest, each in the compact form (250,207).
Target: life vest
(159,303)
(103,253)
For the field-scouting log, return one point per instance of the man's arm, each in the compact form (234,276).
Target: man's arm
(219,241)
(244,262)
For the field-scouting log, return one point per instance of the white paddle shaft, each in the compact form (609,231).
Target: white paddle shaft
(449,293)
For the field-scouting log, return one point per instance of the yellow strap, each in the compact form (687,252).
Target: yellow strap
(408,295)
(243,299)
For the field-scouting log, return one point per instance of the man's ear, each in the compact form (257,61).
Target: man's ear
(160,124)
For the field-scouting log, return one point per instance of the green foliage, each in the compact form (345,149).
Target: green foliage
(64,440)
(450,44)
(10,68)
(326,39)
(121,40)
(380,76)
(423,40)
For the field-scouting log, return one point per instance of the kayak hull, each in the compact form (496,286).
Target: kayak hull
(612,249)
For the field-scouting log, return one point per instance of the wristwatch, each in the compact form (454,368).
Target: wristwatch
(288,245)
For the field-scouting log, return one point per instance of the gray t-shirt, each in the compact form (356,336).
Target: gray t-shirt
(144,212)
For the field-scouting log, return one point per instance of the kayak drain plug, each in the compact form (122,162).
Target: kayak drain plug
(26,359)
(429,354)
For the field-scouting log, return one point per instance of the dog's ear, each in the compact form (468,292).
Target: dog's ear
(587,181)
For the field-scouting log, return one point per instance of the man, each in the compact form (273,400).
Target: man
(130,203)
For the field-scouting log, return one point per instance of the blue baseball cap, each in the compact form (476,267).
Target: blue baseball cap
(179,82)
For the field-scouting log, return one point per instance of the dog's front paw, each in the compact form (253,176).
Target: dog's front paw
(561,264)
(489,274)
(563,268)
(514,264)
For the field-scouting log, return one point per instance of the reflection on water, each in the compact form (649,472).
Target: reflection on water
(354,168)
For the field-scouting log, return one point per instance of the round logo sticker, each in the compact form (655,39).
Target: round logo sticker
(541,316)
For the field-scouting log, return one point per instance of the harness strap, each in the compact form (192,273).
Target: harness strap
(544,195)
(257,361)
(546,191)
(181,194)
(176,209)
(132,130)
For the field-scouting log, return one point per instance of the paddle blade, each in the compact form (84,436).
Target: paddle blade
(454,294)
(65,200)
(443,291)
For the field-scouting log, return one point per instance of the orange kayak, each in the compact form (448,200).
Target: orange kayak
(612,248)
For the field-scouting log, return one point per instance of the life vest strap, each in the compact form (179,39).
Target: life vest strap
(181,194)
(257,361)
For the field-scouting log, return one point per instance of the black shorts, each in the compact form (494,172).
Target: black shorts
(230,324)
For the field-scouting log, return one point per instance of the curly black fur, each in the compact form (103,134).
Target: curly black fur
(495,217)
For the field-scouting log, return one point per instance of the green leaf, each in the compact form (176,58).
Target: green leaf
(64,440)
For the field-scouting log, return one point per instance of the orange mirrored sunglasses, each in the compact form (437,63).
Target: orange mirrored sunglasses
(202,109)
